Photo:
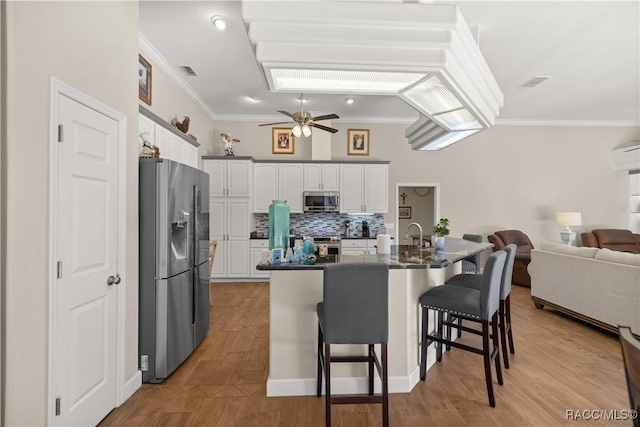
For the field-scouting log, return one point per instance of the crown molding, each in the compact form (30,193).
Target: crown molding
(568,123)
(152,53)
(256,118)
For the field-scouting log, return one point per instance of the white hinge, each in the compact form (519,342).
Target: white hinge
(57,406)
(59,268)
(60,137)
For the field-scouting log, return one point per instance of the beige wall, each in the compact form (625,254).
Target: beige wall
(506,177)
(92,46)
(168,100)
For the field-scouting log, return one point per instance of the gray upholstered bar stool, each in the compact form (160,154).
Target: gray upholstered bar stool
(471,264)
(355,310)
(468,304)
(504,311)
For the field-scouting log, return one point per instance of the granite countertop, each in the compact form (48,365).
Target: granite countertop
(401,257)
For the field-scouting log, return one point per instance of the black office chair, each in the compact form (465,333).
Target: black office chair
(355,310)
(631,358)
(471,264)
(468,304)
(504,311)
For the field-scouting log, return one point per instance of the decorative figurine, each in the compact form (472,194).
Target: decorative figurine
(228,143)
(183,126)
(148,149)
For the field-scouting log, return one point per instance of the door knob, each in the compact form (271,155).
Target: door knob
(111,280)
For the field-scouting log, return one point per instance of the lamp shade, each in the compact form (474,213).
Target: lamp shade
(569,219)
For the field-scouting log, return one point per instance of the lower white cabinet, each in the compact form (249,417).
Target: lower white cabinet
(257,248)
(229,226)
(358,247)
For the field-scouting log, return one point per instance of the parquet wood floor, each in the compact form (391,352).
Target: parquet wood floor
(560,364)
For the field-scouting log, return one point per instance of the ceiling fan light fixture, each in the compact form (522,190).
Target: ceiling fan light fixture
(219,21)
(306,131)
(297,131)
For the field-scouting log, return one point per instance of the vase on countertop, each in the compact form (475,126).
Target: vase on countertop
(278,224)
(439,242)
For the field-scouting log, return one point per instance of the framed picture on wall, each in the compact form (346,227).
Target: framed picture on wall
(404,212)
(282,141)
(144,80)
(358,142)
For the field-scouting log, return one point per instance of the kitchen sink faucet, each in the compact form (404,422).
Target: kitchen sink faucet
(419,228)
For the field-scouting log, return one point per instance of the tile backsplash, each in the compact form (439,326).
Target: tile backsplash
(325,224)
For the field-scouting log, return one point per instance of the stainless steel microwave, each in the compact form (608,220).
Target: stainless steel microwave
(321,201)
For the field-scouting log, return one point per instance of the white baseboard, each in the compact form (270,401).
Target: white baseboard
(341,385)
(131,386)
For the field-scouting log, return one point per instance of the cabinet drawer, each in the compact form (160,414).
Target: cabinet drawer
(346,244)
(260,243)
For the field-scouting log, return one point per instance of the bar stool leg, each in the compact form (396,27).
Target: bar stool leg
(440,332)
(385,387)
(487,361)
(507,305)
(503,334)
(496,347)
(423,343)
(371,370)
(320,352)
(327,375)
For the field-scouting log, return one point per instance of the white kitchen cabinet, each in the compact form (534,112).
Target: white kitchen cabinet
(358,247)
(634,201)
(229,178)
(321,177)
(277,181)
(229,225)
(257,248)
(364,188)
(172,146)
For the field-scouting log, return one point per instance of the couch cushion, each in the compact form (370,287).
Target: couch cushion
(569,250)
(618,240)
(618,257)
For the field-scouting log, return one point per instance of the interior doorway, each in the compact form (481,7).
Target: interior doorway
(416,202)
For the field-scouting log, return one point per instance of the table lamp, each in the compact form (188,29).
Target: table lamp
(568,219)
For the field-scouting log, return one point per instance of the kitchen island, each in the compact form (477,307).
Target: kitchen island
(296,288)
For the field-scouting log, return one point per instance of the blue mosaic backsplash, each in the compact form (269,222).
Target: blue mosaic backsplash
(325,224)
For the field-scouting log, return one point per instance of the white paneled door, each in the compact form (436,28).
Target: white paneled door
(86,247)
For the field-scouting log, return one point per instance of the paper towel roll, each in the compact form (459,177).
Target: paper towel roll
(384,243)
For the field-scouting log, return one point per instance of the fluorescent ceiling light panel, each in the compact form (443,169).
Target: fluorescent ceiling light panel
(433,97)
(446,140)
(458,120)
(342,81)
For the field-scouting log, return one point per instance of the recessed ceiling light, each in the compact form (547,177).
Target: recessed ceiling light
(220,22)
(349,100)
(254,98)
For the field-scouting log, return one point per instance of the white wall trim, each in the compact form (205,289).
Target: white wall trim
(57,88)
(436,204)
(152,53)
(130,387)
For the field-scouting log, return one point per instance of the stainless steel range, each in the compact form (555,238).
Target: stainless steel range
(332,243)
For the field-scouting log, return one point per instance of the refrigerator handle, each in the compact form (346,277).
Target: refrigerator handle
(194,281)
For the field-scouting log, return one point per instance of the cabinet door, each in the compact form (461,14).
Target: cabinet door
(290,178)
(265,186)
(218,270)
(147,125)
(177,148)
(376,188)
(217,177)
(238,219)
(351,188)
(239,178)
(163,141)
(191,155)
(330,177)
(256,257)
(312,177)
(238,259)
(217,219)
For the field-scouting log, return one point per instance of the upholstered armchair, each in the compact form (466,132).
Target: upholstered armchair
(500,239)
(613,239)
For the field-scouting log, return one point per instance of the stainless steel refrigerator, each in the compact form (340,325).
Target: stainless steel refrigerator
(174,271)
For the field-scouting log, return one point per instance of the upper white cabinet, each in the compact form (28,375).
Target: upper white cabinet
(228,178)
(321,177)
(364,188)
(172,146)
(277,181)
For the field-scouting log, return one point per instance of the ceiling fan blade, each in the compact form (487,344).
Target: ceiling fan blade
(327,128)
(325,117)
(286,113)
(279,123)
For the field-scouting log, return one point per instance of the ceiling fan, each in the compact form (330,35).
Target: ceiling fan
(304,121)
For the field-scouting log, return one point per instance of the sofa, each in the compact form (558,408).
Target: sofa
(596,285)
(616,240)
(501,239)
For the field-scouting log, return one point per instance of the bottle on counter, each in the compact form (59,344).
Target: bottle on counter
(278,224)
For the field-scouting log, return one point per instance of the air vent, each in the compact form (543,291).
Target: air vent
(535,81)
(188,70)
